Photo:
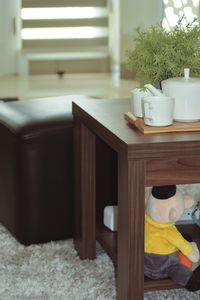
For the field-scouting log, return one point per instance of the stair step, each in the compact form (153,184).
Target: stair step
(66,55)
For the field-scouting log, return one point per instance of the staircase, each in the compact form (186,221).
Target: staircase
(48,43)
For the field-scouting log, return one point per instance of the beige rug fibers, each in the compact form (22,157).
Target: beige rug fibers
(53,271)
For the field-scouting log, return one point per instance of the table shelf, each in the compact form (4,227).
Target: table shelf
(108,241)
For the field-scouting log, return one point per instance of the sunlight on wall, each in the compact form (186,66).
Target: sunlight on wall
(84,32)
(63,13)
(173,9)
(52,13)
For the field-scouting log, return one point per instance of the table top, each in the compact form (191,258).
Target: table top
(108,114)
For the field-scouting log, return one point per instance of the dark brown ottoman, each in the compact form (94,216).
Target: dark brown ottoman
(36,169)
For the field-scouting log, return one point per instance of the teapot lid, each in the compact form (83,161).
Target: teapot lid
(183,80)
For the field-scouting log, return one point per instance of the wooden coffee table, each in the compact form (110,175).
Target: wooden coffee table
(143,160)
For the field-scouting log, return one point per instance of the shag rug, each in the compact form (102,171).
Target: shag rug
(53,271)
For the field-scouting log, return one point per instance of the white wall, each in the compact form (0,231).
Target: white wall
(9,39)
(125,16)
(135,13)
(114,30)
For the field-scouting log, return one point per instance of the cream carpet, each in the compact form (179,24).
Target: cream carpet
(53,271)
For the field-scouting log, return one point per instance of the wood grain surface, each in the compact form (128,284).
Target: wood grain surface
(175,127)
(143,160)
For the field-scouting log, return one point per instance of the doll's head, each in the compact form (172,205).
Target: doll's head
(166,204)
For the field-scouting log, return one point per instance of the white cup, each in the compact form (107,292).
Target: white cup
(136,101)
(158,110)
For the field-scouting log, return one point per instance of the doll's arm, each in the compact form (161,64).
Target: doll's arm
(175,238)
(194,256)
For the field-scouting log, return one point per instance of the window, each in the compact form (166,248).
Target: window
(174,9)
(64,23)
(63,13)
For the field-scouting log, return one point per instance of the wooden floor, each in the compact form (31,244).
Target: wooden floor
(103,85)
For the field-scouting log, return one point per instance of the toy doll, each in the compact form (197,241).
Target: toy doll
(165,247)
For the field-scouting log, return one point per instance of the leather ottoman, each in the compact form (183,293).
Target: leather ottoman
(36,169)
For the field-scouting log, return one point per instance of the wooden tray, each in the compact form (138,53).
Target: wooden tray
(175,127)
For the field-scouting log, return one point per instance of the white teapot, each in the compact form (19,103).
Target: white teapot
(186,92)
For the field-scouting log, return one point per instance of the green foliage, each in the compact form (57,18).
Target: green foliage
(158,54)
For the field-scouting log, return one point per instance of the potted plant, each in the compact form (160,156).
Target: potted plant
(158,54)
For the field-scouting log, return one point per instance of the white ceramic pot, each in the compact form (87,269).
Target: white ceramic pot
(136,101)
(186,92)
(158,110)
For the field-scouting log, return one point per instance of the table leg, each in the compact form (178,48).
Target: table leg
(84,191)
(131,205)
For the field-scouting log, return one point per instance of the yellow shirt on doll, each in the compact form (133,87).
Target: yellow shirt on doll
(164,238)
